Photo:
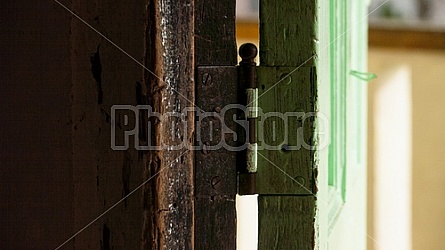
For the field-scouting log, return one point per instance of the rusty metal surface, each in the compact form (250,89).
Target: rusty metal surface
(217,133)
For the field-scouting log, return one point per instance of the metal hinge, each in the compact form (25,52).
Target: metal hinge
(226,100)
(227,119)
(248,81)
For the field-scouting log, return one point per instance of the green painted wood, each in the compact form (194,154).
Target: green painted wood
(285,130)
(280,213)
(338,58)
(291,33)
(287,32)
(347,155)
(286,209)
(338,86)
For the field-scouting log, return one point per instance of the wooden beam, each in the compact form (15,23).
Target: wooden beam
(287,83)
(287,222)
(168,201)
(36,188)
(215,214)
(286,39)
(215,33)
(65,69)
(103,76)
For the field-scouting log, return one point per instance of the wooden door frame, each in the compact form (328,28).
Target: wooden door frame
(180,206)
(183,209)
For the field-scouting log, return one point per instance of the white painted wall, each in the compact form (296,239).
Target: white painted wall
(427,206)
(390,125)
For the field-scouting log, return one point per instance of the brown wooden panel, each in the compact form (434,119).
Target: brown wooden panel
(103,76)
(168,201)
(60,79)
(215,214)
(216,220)
(215,32)
(35,129)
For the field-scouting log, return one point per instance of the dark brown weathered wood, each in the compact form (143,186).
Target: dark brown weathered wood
(215,215)
(215,33)
(216,220)
(59,80)
(103,76)
(157,36)
(152,96)
(87,73)
(168,202)
(35,129)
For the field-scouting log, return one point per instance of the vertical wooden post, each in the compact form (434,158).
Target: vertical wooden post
(143,56)
(286,179)
(215,171)
(36,188)
(98,54)
(168,201)
(104,76)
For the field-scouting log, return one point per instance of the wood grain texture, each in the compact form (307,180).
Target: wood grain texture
(215,214)
(168,201)
(62,78)
(286,130)
(215,218)
(215,33)
(288,40)
(102,176)
(286,222)
(287,32)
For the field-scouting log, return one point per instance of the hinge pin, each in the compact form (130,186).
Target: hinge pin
(248,52)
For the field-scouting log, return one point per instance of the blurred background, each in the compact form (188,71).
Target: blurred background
(406,123)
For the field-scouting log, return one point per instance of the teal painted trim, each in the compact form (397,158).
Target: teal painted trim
(365,76)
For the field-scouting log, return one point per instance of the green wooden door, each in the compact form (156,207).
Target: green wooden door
(311,175)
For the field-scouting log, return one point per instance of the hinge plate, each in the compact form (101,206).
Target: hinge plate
(285,130)
(215,166)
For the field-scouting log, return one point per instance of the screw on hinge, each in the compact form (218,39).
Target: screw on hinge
(217,109)
(205,148)
(300,180)
(216,182)
(285,148)
(206,79)
(286,78)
